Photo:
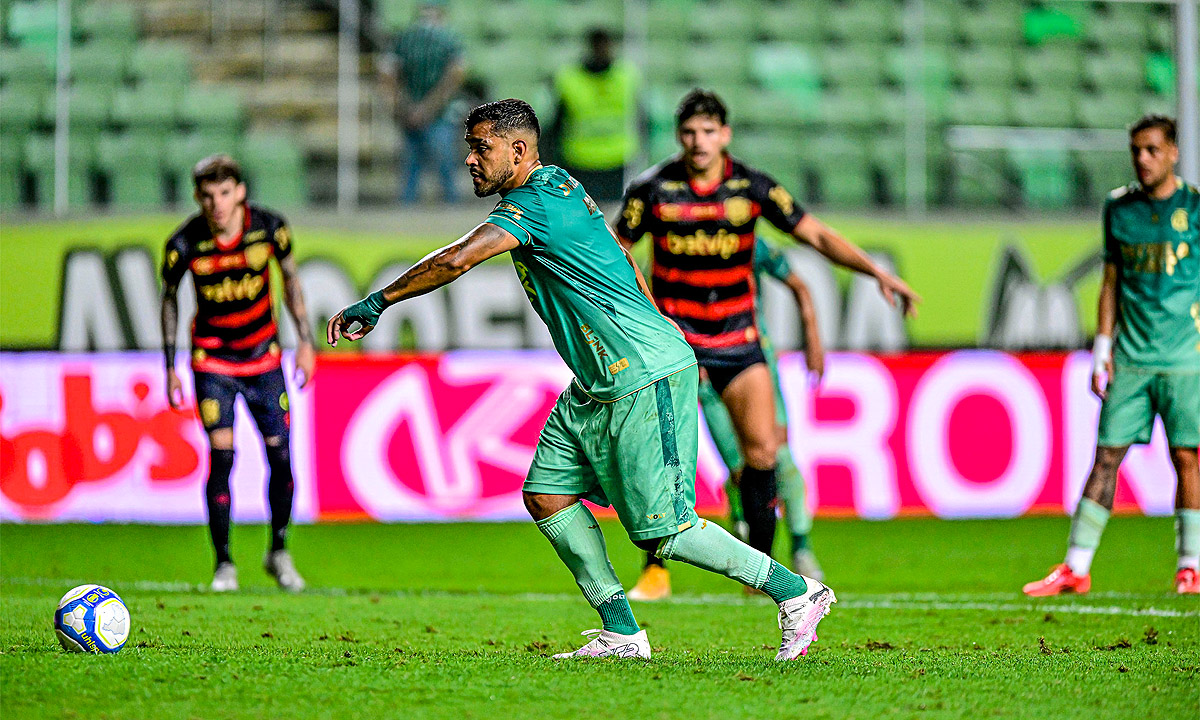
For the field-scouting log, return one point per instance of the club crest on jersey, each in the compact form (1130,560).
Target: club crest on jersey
(739,210)
(257,255)
(1179,220)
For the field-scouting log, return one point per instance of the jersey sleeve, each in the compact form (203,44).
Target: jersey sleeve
(778,206)
(175,259)
(632,223)
(1112,248)
(771,260)
(281,238)
(519,215)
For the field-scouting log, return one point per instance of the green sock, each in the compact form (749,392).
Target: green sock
(1087,525)
(1187,537)
(793,493)
(576,537)
(707,545)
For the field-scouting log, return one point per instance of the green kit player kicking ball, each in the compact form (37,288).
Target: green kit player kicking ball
(655,581)
(1151,298)
(625,432)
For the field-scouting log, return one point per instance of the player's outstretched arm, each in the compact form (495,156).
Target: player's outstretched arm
(293,297)
(1106,321)
(170,326)
(435,270)
(814,352)
(829,243)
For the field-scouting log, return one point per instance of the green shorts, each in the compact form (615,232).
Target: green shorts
(1136,396)
(637,454)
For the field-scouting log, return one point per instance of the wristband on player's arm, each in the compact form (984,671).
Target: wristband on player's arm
(367,310)
(1101,353)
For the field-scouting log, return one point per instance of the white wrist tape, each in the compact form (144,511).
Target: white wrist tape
(1101,353)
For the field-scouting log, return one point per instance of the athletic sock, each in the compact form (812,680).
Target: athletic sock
(707,545)
(652,559)
(793,494)
(759,492)
(800,542)
(1087,525)
(575,535)
(216,498)
(1187,538)
(280,489)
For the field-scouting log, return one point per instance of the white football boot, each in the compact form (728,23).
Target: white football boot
(610,644)
(799,616)
(278,565)
(225,578)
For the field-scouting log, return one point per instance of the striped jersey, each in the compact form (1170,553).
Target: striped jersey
(234,331)
(702,263)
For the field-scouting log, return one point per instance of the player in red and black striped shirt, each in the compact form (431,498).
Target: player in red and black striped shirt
(235,346)
(701,208)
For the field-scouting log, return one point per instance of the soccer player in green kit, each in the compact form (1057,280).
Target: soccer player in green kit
(655,581)
(1150,297)
(625,432)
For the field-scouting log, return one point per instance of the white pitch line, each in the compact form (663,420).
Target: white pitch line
(881,601)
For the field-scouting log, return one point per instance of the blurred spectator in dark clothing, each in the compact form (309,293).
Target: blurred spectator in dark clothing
(594,134)
(423,73)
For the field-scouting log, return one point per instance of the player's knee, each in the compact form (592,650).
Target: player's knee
(761,453)
(542,506)
(221,439)
(1184,459)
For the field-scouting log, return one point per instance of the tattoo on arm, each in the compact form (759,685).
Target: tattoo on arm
(170,322)
(294,297)
(444,265)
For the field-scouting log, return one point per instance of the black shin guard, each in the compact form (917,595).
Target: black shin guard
(759,492)
(280,489)
(216,497)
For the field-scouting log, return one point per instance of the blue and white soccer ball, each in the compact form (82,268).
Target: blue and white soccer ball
(91,618)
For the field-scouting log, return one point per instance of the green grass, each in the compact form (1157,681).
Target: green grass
(457,621)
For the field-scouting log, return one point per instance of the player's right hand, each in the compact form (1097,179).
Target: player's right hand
(174,390)
(1100,380)
(365,313)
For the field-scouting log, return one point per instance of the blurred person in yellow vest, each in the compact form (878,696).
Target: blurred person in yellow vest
(596,121)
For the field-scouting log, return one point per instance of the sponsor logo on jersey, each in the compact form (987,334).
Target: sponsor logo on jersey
(618,366)
(229,289)
(592,339)
(722,242)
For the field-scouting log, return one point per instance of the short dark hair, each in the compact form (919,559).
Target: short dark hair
(700,102)
(506,116)
(1166,123)
(216,168)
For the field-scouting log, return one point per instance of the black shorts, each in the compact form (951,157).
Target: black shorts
(721,373)
(265,395)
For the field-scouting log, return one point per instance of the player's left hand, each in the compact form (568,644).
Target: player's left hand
(892,286)
(814,358)
(365,313)
(306,361)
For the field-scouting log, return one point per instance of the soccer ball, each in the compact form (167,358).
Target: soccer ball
(91,618)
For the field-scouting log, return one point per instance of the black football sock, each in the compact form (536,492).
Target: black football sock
(759,498)
(216,497)
(652,559)
(280,489)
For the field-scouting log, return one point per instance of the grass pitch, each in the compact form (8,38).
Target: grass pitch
(458,621)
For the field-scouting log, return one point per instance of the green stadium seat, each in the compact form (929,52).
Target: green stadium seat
(1046,108)
(664,65)
(801,21)
(392,16)
(133,164)
(785,67)
(846,185)
(11,180)
(1104,170)
(275,173)
(146,107)
(113,22)
(88,108)
(161,62)
(941,21)
(39,160)
(781,110)
(211,110)
(938,64)
(862,19)
(1160,73)
(990,67)
(851,108)
(1118,26)
(1113,109)
(1053,23)
(716,63)
(1045,178)
(20,108)
(854,65)
(34,24)
(666,20)
(22,66)
(1115,70)
(1161,31)
(723,20)
(979,107)
(100,63)
(992,22)
(773,153)
(1052,66)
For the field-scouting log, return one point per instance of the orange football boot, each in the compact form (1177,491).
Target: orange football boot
(1060,580)
(1187,582)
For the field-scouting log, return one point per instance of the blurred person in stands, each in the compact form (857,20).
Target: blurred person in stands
(227,247)
(423,73)
(595,128)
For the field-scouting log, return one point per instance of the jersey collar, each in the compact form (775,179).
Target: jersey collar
(710,188)
(233,242)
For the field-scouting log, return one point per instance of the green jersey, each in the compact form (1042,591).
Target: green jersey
(583,287)
(768,260)
(1155,245)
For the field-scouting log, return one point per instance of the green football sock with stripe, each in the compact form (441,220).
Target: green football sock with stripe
(707,545)
(575,535)
(1187,538)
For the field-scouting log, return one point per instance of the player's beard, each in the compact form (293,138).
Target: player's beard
(490,185)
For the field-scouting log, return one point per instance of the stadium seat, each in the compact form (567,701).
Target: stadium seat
(938,68)
(1104,171)
(1045,178)
(1161,32)
(20,108)
(132,162)
(801,21)
(211,110)
(392,16)
(716,63)
(34,24)
(11,146)
(100,63)
(1118,26)
(781,109)
(1053,23)
(666,20)
(1113,109)
(1115,70)
(854,65)
(786,68)
(146,107)
(723,20)
(846,185)
(1160,73)
(1052,66)
(1046,108)
(161,62)
(850,108)
(114,22)
(25,67)
(39,160)
(877,20)
(992,22)
(88,108)
(274,167)
(941,19)
(987,67)
(979,107)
